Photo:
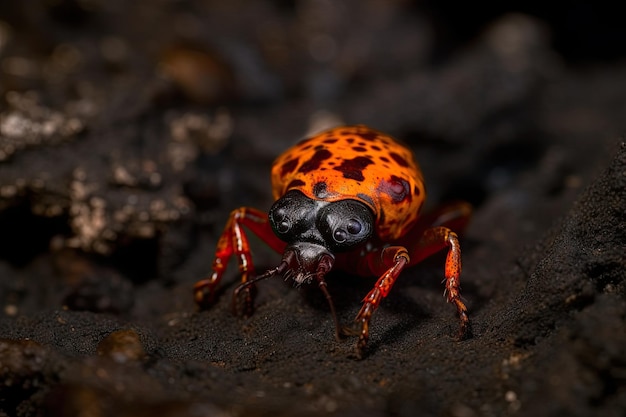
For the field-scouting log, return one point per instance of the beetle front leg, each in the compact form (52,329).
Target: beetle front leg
(392,261)
(234,241)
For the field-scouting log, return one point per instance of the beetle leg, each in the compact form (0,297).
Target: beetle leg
(395,258)
(434,240)
(392,261)
(234,241)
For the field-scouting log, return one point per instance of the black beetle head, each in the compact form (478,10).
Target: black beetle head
(338,226)
(315,229)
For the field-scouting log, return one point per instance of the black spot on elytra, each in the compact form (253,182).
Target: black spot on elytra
(350,140)
(316,160)
(288,167)
(320,189)
(416,190)
(399,159)
(345,133)
(359,149)
(295,184)
(330,141)
(318,147)
(397,188)
(376,148)
(369,135)
(353,168)
(384,159)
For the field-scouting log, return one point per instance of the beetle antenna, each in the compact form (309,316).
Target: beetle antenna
(245,285)
(322,268)
(323,286)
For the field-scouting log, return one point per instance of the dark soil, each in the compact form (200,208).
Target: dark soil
(129,130)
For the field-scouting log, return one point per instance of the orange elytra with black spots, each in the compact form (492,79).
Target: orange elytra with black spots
(348,199)
(356,162)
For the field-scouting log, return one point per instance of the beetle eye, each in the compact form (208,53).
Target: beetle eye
(339,236)
(354,227)
(345,224)
(280,220)
(291,215)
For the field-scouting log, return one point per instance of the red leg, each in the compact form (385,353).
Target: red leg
(432,241)
(435,233)
(234,241)
(392,261)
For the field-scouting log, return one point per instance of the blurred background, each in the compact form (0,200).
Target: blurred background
(155,102)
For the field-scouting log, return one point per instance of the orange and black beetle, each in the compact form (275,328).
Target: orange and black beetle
(348,198)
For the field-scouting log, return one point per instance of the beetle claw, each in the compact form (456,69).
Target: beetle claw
(355,329)
(243,301)
(349,331)
(359,350)
(465,331)
(203,294)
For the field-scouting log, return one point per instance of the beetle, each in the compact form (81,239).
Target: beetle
(347,198)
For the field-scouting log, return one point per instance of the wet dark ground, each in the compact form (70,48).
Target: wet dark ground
(129,130)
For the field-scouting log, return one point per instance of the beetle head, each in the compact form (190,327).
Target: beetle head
(316,229)
(304,260)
